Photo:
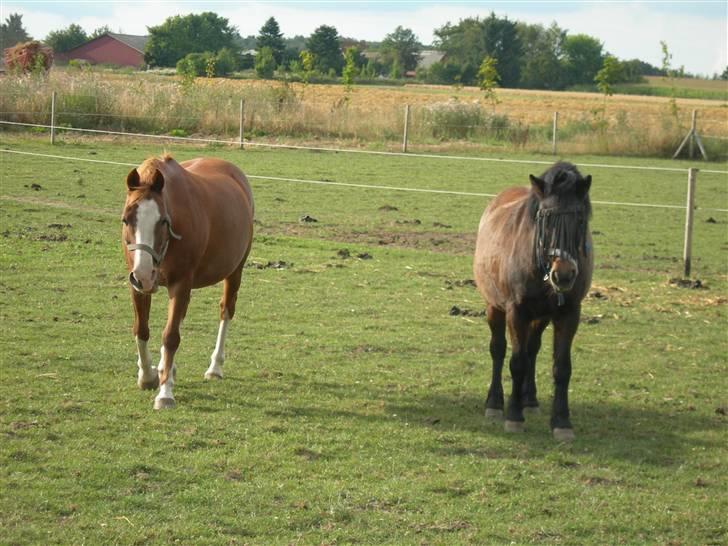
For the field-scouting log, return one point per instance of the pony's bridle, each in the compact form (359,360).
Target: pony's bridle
(157,257)
(545,255)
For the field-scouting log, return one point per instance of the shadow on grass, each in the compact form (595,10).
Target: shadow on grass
(639,435)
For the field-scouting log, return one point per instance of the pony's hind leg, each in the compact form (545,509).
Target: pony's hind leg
(227,311)
(494,401)
(530,401)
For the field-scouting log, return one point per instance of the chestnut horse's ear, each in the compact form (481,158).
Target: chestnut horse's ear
(538,185)
(584,185)
(158,182)
(132,179)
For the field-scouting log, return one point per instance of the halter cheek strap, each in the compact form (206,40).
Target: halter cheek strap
(157,257)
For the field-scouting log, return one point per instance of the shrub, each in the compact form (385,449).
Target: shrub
(265,63)
(28,58)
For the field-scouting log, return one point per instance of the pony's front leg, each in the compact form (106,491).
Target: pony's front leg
(564,331)
(179,299)
(518,330)
(147,377)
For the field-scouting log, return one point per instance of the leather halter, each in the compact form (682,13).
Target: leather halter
(157,257)
(542,253)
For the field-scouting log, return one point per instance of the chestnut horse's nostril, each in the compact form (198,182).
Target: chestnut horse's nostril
(135,282)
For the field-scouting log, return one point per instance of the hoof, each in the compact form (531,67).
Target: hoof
(564,434)
(494,414)
(164,403)
(531,409)
(149,385)
(213,375)
(514,426)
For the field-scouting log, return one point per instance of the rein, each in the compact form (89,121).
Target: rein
(157,257)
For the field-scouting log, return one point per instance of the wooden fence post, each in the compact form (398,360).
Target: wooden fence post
(406,127)
(242,119)
(691,143)
(554,137)
(688,248)
(53,117)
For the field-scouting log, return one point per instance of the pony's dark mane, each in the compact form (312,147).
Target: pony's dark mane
(560,179)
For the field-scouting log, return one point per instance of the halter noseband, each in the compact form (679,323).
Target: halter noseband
(157,257)
(560,238)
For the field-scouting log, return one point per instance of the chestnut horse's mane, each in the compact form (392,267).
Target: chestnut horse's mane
(560,179)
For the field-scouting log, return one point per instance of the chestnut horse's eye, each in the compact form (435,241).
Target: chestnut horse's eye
(125,221)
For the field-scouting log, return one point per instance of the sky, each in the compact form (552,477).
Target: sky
(696,31)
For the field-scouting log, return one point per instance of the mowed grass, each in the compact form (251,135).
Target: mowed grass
(352,407)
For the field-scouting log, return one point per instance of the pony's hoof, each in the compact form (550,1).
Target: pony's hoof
(531,409)
(213,376)
(514,426)
(149,385)
(164,403)
(564,434)
(494,414)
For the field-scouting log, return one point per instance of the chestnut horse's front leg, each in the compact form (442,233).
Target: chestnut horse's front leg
(179,299)
(565,328)
(147,377)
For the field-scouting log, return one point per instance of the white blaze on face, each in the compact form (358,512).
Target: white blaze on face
(147,217)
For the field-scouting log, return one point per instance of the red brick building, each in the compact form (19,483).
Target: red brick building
(113,49)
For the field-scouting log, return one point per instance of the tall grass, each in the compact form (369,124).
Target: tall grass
(158,104)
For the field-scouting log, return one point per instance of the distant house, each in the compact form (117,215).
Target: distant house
(113,49)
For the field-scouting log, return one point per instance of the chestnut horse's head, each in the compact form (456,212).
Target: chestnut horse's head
(147,228)
(561,210)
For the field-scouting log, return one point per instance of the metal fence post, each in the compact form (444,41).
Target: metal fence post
(406,127)
(688,248)
(53,117)
(242,119)
(554,137)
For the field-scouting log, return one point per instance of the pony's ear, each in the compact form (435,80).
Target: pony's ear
(584,185)
(158,182)
(538,185)
(132,180)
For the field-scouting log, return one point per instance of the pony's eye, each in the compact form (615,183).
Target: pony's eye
(125,221)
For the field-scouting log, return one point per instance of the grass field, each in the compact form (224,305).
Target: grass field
(352,408)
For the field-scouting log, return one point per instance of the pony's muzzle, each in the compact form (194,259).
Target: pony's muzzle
(563,274)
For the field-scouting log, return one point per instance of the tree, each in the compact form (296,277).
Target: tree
(66,39)
(466,44)
(12,31)
(100,32)
(583,57)
(488,79)
(724,75)
(194,33)
(270,36)
(326,50)
(350,69)
(608,75)
(402,47)
(265,63)
(542,64)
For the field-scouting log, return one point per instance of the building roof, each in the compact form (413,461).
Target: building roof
(135,42)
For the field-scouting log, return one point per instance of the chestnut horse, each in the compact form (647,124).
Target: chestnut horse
(533,265)
(185,225)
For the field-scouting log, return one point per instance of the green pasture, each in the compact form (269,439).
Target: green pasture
(352,407)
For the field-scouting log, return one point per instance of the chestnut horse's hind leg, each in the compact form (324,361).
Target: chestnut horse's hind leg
(530,401)
(497,323)
(147,377)
(179,299)
(227,311)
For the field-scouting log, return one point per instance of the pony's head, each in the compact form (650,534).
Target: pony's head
(561,209)
(147,227)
